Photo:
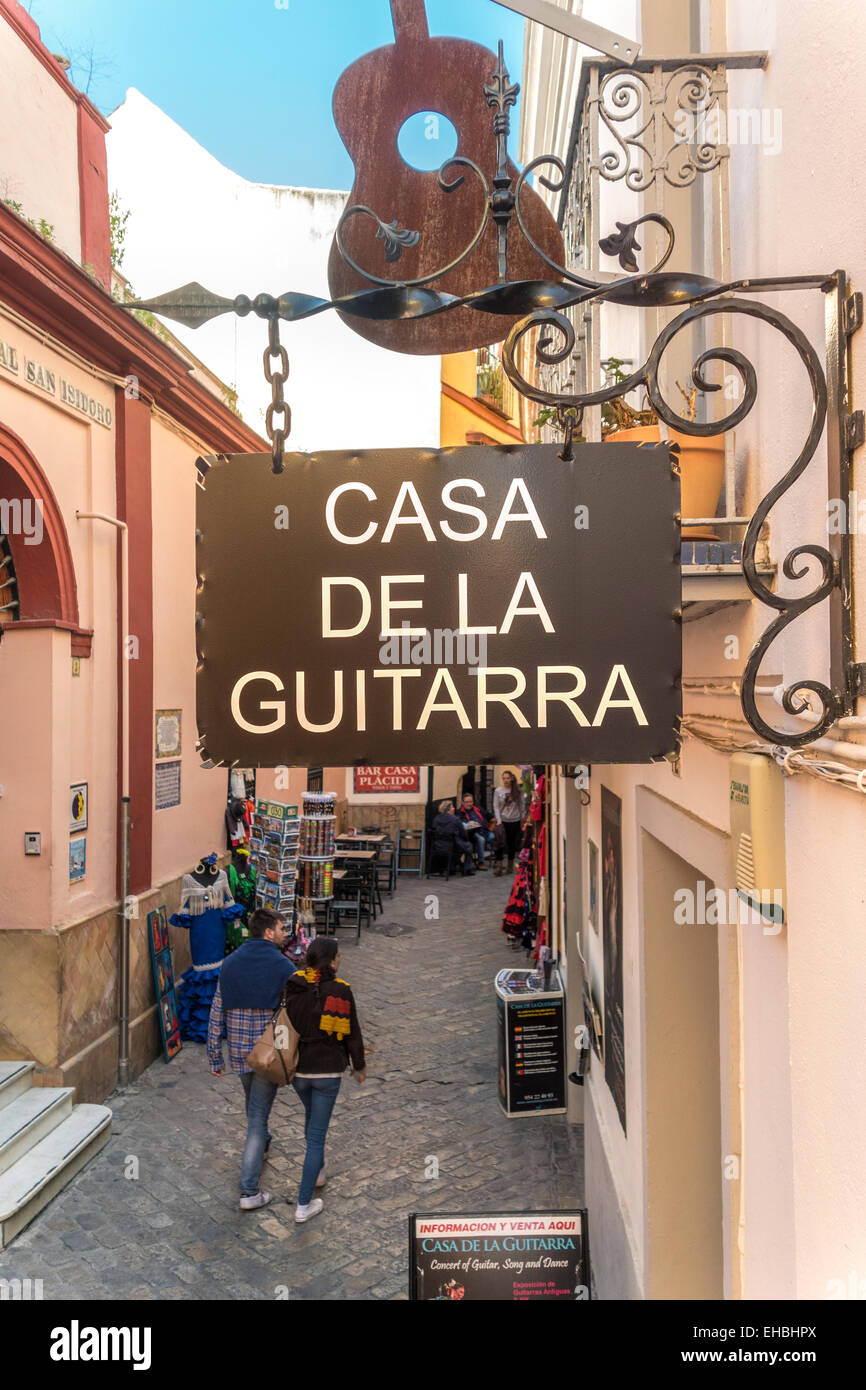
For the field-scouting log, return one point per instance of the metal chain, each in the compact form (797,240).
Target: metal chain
(570,422)
(278,405)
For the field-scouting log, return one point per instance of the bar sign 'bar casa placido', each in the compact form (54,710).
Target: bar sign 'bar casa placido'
(440,606)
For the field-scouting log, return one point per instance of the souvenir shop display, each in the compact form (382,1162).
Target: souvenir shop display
(525,917)
(206,909)
(238,822)
(519,919)
(274,836)
(318,826)
(241,874)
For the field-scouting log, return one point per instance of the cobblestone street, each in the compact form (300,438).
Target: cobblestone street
(425,995)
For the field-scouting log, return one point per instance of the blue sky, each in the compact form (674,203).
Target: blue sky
(251,80)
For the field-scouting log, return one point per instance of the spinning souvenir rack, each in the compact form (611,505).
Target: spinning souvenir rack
(538,306)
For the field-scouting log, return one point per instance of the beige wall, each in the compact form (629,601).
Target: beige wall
(61,729)
(40,170)
(790,1020)
(181,834)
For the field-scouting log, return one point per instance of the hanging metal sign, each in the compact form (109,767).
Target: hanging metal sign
(477,604)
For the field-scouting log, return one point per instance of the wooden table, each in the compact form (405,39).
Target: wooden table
(355,854)
(360,839)
(338,874)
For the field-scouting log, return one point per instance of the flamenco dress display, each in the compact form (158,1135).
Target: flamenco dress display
(206,909)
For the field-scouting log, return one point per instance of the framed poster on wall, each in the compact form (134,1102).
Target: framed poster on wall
(77,807)
(593,884)
(611,905)
(77,860)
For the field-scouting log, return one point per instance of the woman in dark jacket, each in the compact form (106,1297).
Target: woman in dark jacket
(449,831)
(322,1009)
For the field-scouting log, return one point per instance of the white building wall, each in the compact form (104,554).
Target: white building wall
(39,173)
(792,1031)
(191,219)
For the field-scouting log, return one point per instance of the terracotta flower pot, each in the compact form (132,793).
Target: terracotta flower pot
(702,465)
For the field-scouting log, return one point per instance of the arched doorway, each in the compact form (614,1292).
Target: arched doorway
(37,580)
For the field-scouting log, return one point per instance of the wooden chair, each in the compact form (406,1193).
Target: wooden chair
(386,866)
(370,877)
(437,856)
(348,901)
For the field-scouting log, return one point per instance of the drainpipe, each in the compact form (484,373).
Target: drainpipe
(123,817)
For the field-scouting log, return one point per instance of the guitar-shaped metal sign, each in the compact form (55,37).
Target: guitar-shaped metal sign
(405,226)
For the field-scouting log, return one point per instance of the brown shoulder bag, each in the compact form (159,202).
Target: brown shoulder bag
(275,1055)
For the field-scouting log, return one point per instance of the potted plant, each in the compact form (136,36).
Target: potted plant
(702,458)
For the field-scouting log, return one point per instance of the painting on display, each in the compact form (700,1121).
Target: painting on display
(163,979)
(611,880)
(593,884)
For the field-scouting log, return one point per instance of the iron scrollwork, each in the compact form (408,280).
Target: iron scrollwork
(542,305)
(551,321)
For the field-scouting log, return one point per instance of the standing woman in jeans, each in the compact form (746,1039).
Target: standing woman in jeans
(508,811)
(322,1009)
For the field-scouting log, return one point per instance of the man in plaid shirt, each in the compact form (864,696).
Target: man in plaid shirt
(249,988)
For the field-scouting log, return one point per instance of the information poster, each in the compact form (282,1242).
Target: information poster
(611,884)
(77,860)
(511,1257)
(533,1043)
(78,807)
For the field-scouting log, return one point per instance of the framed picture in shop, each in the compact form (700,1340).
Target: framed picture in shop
(593,884)
(163,979)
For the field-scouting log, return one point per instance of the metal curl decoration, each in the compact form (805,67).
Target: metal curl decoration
(386,229)
(626,229)
(788,608)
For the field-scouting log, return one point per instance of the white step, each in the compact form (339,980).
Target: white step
(29,1117)
(37,1177)
(15,1079)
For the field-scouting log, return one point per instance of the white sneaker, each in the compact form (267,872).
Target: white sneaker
(260,1199)
(311,1209)
(322,1178)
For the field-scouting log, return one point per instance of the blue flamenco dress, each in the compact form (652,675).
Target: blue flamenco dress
(204,910)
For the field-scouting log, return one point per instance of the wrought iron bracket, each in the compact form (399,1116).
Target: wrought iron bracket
(855,430)
(543,305)
(853,312)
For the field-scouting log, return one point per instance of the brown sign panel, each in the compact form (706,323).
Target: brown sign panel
(406,606)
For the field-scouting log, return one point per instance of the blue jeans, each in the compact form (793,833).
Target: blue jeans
(481,838)
(259,1095)
(318,1095)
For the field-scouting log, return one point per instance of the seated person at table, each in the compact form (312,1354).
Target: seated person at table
(476,827)
(448,833)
